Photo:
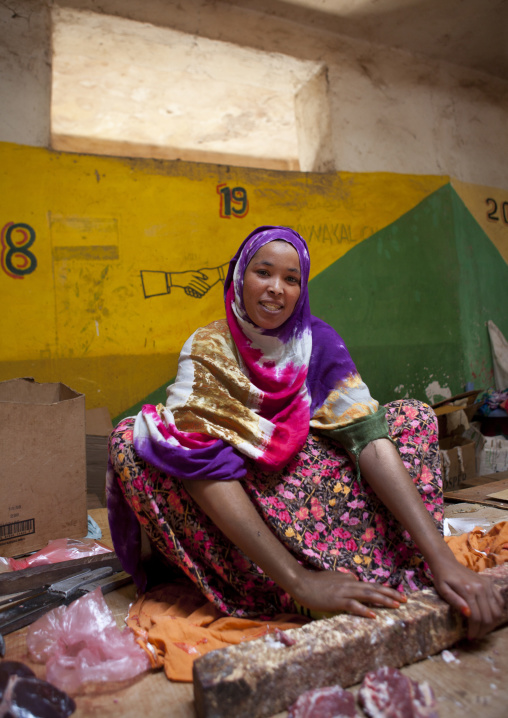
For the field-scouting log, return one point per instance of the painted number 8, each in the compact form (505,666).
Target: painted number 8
(17,260)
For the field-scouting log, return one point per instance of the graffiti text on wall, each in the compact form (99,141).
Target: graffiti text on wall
(16,258)
(497,211)
(332,233)
(233,201)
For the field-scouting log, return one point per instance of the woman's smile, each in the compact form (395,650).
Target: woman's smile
(271,285)
(271,306)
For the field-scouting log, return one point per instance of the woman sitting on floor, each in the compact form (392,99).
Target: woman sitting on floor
(272,478)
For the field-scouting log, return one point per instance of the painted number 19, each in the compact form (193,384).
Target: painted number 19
(233,201)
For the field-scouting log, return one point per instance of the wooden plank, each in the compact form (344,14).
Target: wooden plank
(479,494)
(500,496)
(257,679)
(28,578)
(465,395)
(497,476)
(487,479)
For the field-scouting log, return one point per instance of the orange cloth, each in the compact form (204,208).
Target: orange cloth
(181,626)
(478,549)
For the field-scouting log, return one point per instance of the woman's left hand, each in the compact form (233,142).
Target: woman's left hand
(477,597)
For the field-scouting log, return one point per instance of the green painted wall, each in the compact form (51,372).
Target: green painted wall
(482,292)
(411,302)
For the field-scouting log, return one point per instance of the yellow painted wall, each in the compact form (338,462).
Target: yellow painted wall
(86,239)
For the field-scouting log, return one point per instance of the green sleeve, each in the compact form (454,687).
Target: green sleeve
(355,437)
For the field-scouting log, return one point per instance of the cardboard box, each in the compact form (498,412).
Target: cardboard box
(458,461)
(455,413)
(451,421)
(43,465)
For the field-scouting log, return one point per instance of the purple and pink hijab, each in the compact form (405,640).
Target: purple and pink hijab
(243,392)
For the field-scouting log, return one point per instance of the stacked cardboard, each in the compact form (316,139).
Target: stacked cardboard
(494,455)
(98,429)
(458,450)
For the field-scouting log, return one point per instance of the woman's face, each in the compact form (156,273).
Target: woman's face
(271,285)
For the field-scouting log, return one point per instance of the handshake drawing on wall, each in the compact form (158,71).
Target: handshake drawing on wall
(194,282)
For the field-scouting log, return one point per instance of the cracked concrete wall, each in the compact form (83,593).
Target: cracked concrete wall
(25,72)
(390,111)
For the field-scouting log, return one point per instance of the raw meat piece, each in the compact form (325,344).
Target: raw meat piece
(33,697)
(12,668)
(81,644)
(388,693)
(328,702)
(22,695)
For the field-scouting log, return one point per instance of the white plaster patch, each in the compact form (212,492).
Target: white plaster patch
(435,392)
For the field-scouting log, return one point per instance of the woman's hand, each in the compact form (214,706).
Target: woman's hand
(334,591)
(229,507)
(474,595)
(477,597)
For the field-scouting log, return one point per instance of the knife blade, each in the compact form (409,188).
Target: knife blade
(58,594)
(36,576)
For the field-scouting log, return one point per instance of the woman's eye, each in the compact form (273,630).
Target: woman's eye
(293,280)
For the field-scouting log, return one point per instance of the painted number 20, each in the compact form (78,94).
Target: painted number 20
(492,214)
(233,201)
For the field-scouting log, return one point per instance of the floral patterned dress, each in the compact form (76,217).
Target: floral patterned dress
(317,506)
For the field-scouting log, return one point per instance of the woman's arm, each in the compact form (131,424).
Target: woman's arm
(231,510)
(475,595)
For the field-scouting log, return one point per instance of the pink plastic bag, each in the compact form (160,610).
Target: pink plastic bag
(83,648)
(59,550)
